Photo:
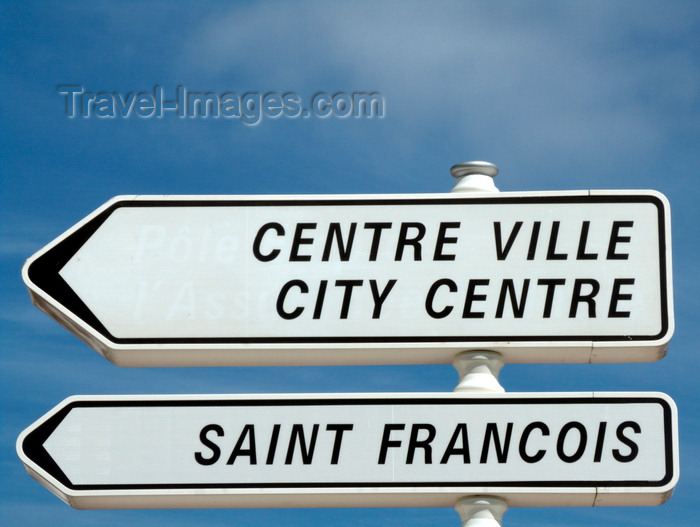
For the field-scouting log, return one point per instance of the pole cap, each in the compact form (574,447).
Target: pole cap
(474,176)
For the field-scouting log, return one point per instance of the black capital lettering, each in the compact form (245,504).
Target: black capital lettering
(272,449)
(339,430)
(299,240)
(258,240)
(319,299)
(552,247)
(551,284)
(473,297)
(414,443)
(502,252)
(634,448)
(501,450)
(347,296)
(248,432)
(344,248)
(215,450)
(598,455)
(616,297)
(387,442)
(577,297)
(523,442)
(518,307)
(380,297)
(404,240)
(376,237)
(583,438)
(306,451)
(581,254)
(451,286)
(442,239)
(452,450)
(615,238)
(533,240)
(289,315)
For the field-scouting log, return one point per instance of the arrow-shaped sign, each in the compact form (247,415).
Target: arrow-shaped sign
(576,449)
(553,277)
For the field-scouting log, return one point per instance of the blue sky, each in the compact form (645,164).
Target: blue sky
(560,95)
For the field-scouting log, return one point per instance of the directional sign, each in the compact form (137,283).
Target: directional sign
(552,277)
(359,450)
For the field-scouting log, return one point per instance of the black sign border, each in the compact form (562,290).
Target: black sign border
(43,272)
(33,448)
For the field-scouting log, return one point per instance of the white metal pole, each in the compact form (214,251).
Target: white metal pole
(478,369)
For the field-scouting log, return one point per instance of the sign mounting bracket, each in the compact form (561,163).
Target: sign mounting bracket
(478,371)
(481,511)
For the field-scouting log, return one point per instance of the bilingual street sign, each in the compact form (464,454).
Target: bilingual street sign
(364,279)
(356,450)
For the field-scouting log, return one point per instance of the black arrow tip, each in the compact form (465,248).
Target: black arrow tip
(33,447)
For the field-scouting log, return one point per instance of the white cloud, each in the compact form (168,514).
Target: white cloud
(571,80)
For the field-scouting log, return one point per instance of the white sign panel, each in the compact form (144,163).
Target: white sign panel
(356,450)
(554,277)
